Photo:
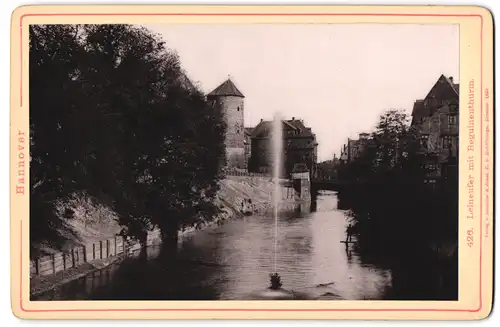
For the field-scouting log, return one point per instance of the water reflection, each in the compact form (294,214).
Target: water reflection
(233,260)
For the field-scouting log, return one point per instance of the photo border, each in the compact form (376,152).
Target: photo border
(479,308)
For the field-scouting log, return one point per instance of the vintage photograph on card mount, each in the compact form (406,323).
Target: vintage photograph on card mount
(318,158)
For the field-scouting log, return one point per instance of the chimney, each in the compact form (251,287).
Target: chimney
(451,79)
(293,118)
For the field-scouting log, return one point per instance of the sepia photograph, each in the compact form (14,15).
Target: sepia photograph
(252,162)
(243,162)
(223,162)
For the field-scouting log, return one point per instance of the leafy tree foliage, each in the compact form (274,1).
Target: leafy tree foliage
(392,209)
(113,114)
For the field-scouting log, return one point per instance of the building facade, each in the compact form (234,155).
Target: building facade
(230,100)
(435,119)
(354,147)
(248,144)
(299,147)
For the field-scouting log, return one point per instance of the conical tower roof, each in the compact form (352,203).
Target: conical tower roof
(226,89)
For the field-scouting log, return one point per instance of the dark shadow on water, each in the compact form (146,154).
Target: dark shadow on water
(153,275)
(392,234)
(166,277)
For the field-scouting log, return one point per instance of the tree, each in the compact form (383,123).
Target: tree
(113,114)
(395,207)
(55,169)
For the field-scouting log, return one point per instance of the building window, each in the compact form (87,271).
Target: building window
(452,120)
(447,142)
(238,108)
(431,167)
(424,139)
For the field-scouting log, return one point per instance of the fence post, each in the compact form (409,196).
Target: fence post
(53,258)
(107,248)
(73,257)
(100,249)
(93,251)
(64,260)
(116,250)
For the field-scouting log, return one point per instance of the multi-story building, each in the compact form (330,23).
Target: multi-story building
(248,144)
(299,146)
(435,119)
(353,149)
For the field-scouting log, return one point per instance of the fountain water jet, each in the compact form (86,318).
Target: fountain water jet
(275,292)
(277,146)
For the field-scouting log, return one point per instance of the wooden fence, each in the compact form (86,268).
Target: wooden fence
(51,264)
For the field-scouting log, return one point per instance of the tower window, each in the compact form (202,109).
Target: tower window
(238,108)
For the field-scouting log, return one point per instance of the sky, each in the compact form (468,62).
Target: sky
(338,78)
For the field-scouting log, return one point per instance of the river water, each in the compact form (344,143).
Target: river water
(235,259)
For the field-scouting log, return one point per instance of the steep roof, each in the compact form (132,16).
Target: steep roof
(299,124)
(453,85)
(444,88)
(226,89)
(419,109)
(265,127)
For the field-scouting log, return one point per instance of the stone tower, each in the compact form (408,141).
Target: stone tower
(231,102)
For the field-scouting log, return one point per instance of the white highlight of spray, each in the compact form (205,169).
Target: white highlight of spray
(277,147)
